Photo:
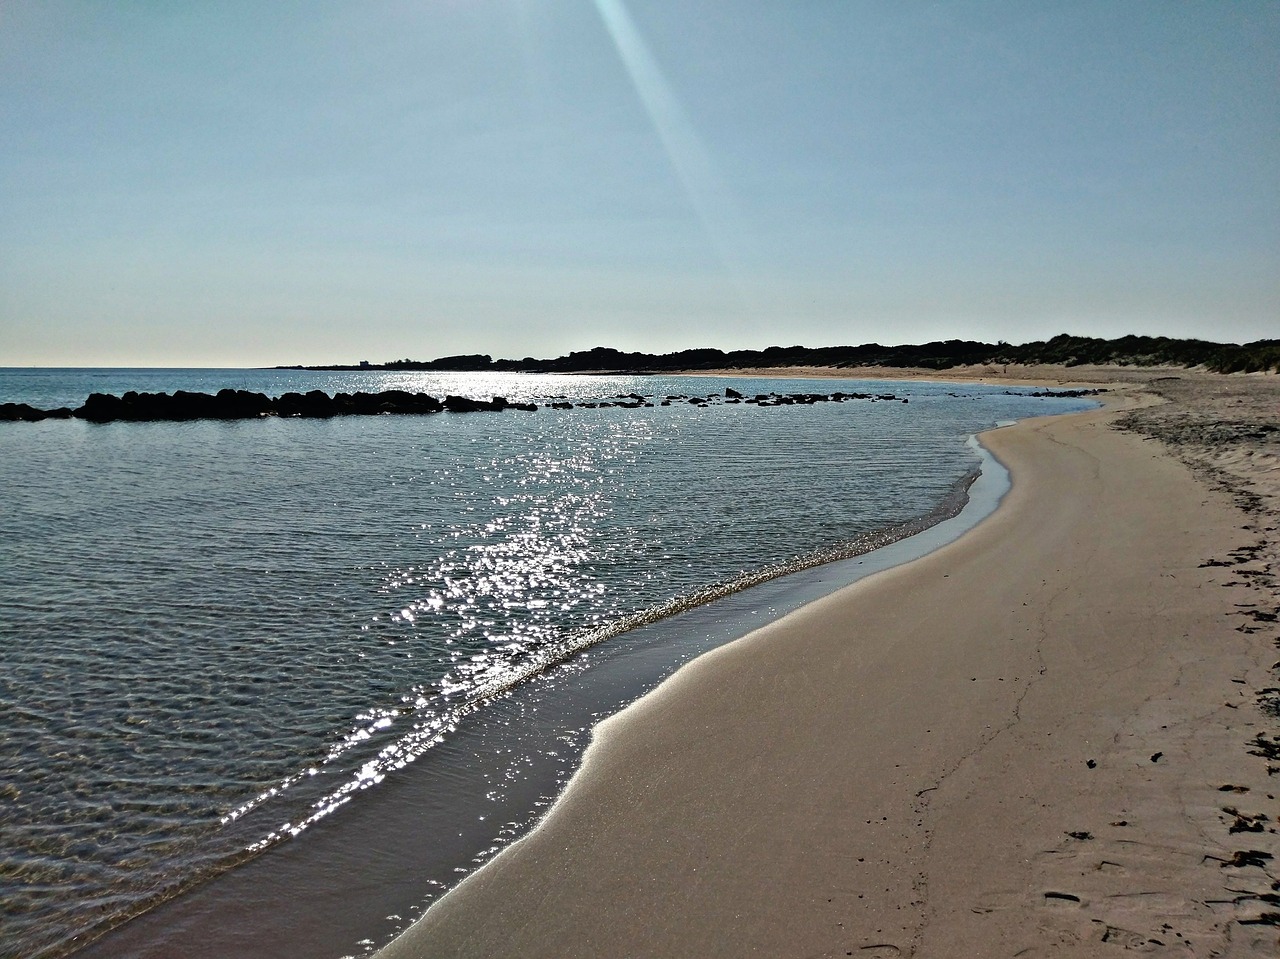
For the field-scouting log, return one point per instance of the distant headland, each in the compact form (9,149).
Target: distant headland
(1258,356)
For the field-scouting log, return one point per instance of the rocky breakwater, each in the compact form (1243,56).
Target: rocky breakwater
(316,404)
(631,401)
(242,404)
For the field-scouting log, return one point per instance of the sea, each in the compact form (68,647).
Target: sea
(271,687)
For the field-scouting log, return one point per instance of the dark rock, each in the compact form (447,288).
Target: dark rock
(241,404)
(402,402)
(155,407)
(463,404)
(100,408)
(290,404)
(184,405)
(316,403)
(1063,394)
(23,413)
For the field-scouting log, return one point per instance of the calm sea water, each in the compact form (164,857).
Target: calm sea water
(215,635)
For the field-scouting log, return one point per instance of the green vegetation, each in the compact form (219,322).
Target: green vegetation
(1259,356)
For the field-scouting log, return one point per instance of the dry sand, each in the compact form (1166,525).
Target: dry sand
(1050,737)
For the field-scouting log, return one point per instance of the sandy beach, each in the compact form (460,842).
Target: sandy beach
(1055,736)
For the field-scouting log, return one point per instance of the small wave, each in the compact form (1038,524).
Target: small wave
(434,719)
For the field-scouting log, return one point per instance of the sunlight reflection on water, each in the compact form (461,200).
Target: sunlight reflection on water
(214,634)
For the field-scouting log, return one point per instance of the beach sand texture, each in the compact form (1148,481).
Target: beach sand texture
(1047,738)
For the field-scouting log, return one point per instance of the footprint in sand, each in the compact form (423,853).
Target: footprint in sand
(1129,941)
(1055,898)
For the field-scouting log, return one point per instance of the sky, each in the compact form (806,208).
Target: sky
(250,184)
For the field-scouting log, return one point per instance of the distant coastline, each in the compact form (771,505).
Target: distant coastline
(1065,350)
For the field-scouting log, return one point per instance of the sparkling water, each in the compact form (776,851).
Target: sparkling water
(214,635)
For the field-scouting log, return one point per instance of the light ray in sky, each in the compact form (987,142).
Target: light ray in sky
(692,163)
(449,174)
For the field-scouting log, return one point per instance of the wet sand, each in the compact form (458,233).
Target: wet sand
(1050,737)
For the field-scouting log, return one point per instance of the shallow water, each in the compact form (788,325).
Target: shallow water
(214,634)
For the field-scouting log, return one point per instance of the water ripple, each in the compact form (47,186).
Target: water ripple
(213,635)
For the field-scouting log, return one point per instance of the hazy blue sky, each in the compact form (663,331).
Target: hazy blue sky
(251,183)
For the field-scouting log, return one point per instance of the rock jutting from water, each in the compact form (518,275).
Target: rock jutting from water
(242,404)
(231,404)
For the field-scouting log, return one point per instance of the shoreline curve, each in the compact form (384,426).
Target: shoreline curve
(910,763)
